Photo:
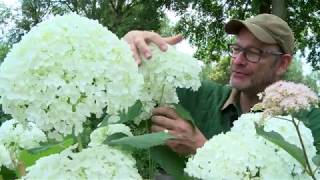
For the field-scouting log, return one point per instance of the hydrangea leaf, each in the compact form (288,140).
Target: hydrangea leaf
(6,173)
(133,112)
(277,139)
(115,136)
(170,161)
(184,114)
(29,157)
(142,141)
(46,146)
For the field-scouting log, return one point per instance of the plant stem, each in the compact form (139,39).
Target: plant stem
(162,92)
(80,147)
(309,170)
(150,161)
(21,168)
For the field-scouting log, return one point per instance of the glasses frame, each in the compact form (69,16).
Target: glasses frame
(245,50)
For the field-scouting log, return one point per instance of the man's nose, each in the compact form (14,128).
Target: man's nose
(240,58)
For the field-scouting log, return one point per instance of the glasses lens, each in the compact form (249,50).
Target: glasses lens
(252,56)
(235,50)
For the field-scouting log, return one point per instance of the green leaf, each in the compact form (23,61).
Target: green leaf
(29,157)
(184,114)
(7,174)
(132,113)
(47,146)
(104,121)
(277,139)
(143,141)
(114,137)
(316,160)
(170,161)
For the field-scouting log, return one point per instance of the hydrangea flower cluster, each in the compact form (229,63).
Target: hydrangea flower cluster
(248,155)
(99,162)
(163,74)
(5,157)
(65,69)
(14,137)
(282,98)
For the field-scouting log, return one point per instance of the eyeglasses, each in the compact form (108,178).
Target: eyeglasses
(251,54)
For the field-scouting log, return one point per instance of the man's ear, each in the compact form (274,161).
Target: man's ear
(283,64)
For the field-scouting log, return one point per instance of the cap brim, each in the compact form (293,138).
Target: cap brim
(234,26)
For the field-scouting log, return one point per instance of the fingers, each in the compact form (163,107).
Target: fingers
(165,111)
(157,40)
(173,40)
(163,122)
(135,54)
(139,40)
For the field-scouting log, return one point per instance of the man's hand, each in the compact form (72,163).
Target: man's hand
(188,139)
(139,40)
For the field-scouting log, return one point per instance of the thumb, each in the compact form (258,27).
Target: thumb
(174,39)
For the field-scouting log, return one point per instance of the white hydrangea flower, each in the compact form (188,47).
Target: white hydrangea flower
(100,134)
(5,158)
(100,162)
(65,69)
(163,74)
(15,136)
(242,154)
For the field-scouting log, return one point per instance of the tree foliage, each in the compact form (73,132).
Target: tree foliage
(203,22)
(119,16)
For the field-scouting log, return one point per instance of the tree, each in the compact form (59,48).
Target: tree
(203,22)
(119,16)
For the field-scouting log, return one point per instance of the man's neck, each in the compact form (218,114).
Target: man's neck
(247,101)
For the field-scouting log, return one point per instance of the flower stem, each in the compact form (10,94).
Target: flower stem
(21,169)
(150,161)
(80,147)
(309,170)
(162,92)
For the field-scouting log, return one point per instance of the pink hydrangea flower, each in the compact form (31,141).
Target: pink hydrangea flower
(282,98)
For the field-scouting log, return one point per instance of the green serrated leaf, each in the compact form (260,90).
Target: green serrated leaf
(114,137)
(316,160)
(104,121)
(143,141)
(277,139)
(46,146)
(132,113)
(170,161)
(184,114)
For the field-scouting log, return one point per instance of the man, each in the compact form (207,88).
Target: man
(260,56)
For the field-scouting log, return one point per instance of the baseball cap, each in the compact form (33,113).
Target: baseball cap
(268,28)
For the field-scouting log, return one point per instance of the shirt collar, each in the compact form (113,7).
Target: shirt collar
(232,99)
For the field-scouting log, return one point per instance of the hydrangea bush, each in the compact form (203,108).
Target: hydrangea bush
(61,76)
(242,154)
(264,145)
(63,71)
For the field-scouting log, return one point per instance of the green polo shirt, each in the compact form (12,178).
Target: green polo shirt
(213,114)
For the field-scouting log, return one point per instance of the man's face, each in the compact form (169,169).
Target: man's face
(248,76)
